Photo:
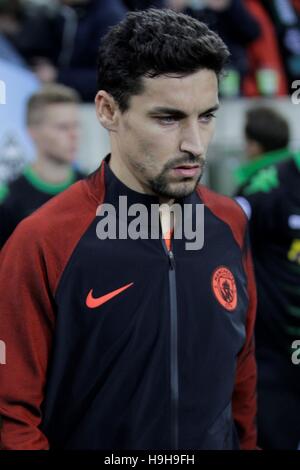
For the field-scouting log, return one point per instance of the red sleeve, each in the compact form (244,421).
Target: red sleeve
(27,320)
(31,264)
(244,396)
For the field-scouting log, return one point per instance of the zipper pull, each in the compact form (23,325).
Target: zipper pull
(172,260)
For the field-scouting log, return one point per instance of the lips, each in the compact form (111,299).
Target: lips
(186,170)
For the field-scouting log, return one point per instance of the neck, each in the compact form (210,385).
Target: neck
(50,170)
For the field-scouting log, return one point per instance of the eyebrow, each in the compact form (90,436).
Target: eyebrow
(177,112)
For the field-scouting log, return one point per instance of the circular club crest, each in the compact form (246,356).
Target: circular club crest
(224,287)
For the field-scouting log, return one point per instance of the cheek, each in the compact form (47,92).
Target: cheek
(49,135)
(136,142)
(148,144)
(160,144)
(59,140)
(47,142)
(156,153)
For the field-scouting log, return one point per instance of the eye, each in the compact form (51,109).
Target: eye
(166,119)
(207,118)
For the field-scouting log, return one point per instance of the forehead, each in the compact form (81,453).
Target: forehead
(60,111)
(194,92)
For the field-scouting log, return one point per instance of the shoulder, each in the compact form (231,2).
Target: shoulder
(69,208)
(265,180)
(52,232)
(269,183)
(227,210)
(218,202)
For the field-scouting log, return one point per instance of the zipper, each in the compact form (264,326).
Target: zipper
(173,349)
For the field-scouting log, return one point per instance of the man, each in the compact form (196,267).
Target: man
(53,123)
(151,342)
(267,136)
(272,203)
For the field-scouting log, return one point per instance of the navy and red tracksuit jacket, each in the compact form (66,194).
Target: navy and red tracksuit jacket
(120,343)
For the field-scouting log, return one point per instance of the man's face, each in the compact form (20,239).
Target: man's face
(164,135)
(57,134)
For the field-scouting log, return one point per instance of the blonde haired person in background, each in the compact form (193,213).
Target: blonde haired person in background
(52,118)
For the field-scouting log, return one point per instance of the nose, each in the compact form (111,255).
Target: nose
(191,140)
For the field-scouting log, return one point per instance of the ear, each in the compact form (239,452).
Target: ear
(107,110)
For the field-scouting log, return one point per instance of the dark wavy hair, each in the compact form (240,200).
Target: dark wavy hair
(155,42)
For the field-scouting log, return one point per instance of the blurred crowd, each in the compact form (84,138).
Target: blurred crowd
(58,39)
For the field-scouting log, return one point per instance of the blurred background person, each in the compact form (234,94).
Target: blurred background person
(60,41)
(53,124)
(267,137)
(272,204)
(269,194)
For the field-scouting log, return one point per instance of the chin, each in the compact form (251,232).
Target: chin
(67,159)
(61,159)
(174,189)
(185,187)
(181,190)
